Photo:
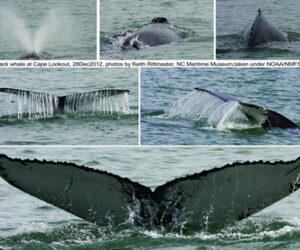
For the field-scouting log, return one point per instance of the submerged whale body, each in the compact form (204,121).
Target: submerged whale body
(31,56)
(263,31)
(37,56)
(209,199)
(265,117)
(158,32)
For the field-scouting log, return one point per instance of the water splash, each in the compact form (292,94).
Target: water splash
(14,25)
(211,112)
(48,28)
(52,28)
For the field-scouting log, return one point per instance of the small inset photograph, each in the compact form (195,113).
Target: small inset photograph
(149,198)
(156,30)
(203,106)
(69,106)
(45,30)
(257,29)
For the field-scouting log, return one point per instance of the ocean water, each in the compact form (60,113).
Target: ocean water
(54,29)
(28,223)
(172,112)
(34,121)
(196,17)
(233,17)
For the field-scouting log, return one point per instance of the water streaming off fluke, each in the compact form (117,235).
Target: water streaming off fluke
(24,103)
(103,102)
(210,111)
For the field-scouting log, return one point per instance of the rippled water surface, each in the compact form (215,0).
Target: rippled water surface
(63,29)
(195,17)
(233,17)
(172,112)
(85,120)
(26,222)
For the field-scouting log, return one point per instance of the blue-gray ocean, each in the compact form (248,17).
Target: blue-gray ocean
(173,113)
(28,223)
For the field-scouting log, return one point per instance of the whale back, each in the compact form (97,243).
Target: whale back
(158,32)
(31,56)
(263,31)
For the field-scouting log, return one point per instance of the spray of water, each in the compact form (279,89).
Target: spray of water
(12,24)
(13,27)
(48,29)
(210,111)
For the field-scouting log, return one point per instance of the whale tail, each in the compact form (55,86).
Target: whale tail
(45,104)
(256,114)
(209,199)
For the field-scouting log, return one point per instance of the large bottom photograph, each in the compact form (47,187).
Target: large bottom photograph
(149,197)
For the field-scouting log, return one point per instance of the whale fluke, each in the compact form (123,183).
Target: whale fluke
(108,92)
(261,115)
(263,31)
(73,102)
(90,194)
(208,199)
(22,92)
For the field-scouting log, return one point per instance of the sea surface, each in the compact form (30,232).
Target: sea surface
(54,29)
(195,16)
(233,17)
(35,123)
(171,110)
(28,223)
